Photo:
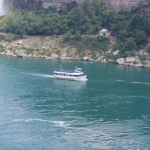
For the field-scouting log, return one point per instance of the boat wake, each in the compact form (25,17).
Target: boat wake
(54,123)
(40,75)
(145,83)
(44,75)
(141,83)
(121,81)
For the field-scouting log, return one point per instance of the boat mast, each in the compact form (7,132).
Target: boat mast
(60,67)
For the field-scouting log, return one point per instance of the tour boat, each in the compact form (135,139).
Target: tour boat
(76,74)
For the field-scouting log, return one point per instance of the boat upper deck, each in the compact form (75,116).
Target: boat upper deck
(77,70)
(65,71)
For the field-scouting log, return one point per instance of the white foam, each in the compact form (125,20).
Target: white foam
(121,80)
(29,120)
(55,123)
(60,123)
(41,75)
(134,82)
(47,76)
(141,83)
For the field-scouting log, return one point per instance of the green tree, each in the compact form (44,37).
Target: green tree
(136,22)
(140,37)
(77,35)
(122,35)
(130,45)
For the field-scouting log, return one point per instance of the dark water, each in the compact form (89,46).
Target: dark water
(109,111)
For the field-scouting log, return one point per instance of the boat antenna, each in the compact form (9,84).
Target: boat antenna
(60,67)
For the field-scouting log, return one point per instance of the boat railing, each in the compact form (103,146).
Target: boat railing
(77,70)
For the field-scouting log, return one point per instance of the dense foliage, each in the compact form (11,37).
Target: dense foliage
(94,44)
(131,28)
(86,18)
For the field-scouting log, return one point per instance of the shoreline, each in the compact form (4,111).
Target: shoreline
(50,47)
(74,59)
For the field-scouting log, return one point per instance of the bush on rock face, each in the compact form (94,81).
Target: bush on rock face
(148,50)
(2,37)
(28,4)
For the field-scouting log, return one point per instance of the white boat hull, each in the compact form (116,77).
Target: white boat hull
(81,78)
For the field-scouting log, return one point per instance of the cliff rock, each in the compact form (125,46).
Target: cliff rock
(127,5)
(120,61)
(112,4)
(63,5)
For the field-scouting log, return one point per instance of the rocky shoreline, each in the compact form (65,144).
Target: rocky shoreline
(52,48)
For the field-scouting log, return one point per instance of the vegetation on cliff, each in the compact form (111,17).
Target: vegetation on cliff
(131,29)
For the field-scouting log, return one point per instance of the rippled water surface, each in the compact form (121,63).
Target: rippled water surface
(109,111)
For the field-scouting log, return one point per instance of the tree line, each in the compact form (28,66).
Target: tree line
(131,29)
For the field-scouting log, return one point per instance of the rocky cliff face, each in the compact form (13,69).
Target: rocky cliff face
(112,4)
(125,4)
(62,5)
